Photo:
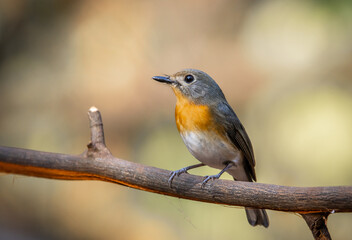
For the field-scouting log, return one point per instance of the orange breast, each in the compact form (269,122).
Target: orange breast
(192,117)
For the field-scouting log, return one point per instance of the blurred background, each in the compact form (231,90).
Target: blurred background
(285,67)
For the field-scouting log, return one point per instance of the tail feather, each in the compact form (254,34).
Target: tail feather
(257,217)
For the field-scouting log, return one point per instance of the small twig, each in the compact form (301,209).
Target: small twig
(96,126)
(96,146)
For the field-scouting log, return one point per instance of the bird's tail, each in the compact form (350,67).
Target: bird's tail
(257,217)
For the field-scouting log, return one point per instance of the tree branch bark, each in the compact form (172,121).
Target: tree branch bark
(97,163)
(317,224)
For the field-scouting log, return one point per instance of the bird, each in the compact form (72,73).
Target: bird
(212,132)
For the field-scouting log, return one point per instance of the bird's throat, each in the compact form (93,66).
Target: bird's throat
(192,117)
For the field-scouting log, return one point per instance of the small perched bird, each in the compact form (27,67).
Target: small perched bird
(212,132)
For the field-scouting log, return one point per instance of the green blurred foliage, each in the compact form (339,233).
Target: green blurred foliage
(285,67)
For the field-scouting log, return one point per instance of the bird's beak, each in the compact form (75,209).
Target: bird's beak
(164,79)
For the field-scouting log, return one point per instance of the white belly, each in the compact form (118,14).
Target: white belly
(210,149)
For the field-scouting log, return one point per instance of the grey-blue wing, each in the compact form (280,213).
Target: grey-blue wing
(237,134)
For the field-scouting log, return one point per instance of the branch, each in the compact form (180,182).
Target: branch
(317,224)
(97,163)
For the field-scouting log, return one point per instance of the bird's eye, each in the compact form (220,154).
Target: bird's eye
(189,79)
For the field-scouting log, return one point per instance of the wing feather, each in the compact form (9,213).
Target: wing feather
(237,134)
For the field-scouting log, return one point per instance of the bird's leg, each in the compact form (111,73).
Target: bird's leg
(213,177)
(177,173)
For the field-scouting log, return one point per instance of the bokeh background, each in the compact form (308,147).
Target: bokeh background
(285,67)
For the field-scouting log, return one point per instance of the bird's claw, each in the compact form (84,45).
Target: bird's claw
(177,173)
(207,178)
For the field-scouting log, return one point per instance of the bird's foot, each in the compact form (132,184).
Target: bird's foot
(217,176)
(177,173)
(211,177)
